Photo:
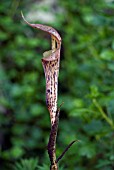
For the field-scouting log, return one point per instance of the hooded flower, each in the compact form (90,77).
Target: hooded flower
(50,62)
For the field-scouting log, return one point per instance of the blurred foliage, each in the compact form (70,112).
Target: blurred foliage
(85,85)
(26,164)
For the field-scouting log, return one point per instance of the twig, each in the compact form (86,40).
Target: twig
(66,149)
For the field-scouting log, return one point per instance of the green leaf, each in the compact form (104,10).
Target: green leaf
(94,127)
(103,163)
(107,55)
(87,150)
(94,91)
(26,164)
(16,152)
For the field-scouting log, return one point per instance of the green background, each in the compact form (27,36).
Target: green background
(86,85)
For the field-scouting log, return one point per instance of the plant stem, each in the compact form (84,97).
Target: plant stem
(108,120)
(54,167)
(52,142)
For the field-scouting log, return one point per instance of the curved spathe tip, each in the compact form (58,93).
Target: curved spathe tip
(45,28)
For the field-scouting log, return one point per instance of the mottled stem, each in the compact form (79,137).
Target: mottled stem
(52,142)
(54,167)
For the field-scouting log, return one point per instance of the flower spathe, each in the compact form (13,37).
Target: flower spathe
(50,62)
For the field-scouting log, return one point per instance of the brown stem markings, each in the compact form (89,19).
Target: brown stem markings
(52,142)
(50,63)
